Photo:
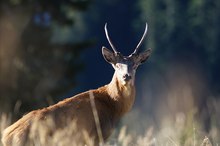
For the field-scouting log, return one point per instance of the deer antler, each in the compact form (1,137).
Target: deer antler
(109,40)
(141,41)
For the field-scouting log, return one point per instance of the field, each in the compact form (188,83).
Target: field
(177,119)
(134,130)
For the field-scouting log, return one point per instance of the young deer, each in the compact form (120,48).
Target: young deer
(112,101)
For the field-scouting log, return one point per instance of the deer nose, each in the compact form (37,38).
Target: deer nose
(127,77)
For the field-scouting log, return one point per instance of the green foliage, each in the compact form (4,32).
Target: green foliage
(37,63)
(185,31)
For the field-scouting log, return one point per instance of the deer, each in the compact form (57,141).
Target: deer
(112,101)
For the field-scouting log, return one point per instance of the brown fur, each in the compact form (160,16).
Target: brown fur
(112,102)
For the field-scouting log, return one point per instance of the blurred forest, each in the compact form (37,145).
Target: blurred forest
(39,59)
(187,31)
(185,35)
(46,45)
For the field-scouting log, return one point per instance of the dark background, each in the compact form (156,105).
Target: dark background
(50,50)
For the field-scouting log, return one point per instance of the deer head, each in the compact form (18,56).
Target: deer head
(125,66)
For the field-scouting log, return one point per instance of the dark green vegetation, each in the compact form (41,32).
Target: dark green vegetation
(39,57)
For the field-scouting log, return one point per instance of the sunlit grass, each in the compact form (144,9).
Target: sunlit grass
(175,133)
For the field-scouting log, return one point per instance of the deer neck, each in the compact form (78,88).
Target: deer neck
(123,95)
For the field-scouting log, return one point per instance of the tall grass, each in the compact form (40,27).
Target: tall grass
(182,132)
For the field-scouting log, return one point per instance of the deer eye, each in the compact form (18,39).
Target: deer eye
(134,66)
(118,66)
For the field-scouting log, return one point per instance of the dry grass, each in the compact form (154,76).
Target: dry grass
(183,130)
(179,134)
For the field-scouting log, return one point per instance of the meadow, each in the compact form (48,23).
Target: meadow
(167,112)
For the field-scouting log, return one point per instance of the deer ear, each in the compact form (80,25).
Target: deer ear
(142,57)
(108,55)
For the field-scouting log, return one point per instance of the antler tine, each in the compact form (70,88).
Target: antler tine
(109,40)
(141,41)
